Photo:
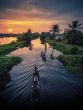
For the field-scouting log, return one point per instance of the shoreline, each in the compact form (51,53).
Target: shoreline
(68,59)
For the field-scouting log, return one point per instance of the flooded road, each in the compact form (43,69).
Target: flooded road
(58,87)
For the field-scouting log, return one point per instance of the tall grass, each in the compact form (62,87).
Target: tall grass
(73,63)
(6,63)
(72,57)
(7,48)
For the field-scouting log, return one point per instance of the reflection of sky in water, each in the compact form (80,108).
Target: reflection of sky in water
(37,47)
(7,40)
(57,85)
(29,56)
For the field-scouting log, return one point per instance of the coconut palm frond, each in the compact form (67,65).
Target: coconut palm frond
(80,28)
(79,25)
(70,26)
(75,24)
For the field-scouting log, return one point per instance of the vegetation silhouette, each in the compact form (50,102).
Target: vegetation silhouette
(27,37)
(73,34)
(55,29)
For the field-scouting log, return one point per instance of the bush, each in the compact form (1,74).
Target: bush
(73,63)
(7,48)
(74,50)
(6,63)
(62,58)
(43,38)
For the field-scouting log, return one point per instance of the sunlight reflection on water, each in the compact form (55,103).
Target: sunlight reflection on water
(7,40)
(57,85)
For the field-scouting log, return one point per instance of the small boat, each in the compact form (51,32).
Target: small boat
(36,72)
(43,56)
(36,85)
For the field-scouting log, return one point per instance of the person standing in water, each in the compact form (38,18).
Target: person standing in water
(45,48)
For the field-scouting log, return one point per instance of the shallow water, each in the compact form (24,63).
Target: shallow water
(59,88)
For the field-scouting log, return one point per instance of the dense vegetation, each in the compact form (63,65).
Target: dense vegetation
(23,40)
(65,48)
(6,63)
(72,54)
(7,48)
(74,63)
(28,36)
(73,35)
(43,38)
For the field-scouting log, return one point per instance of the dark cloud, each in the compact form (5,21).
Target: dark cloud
(49,8)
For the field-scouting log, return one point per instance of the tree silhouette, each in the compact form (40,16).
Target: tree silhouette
(73,34)
(55,30)
(76,25)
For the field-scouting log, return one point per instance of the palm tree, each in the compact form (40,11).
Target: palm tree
(76,25)
(73,31)
(55,30)
(26,38)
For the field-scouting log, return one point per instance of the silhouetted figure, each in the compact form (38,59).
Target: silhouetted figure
(43,56)
(36,72)
(45,48)
(36,87)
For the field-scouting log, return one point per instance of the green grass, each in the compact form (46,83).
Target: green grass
(73,63)
(7,48)
(6,63)
(64,48)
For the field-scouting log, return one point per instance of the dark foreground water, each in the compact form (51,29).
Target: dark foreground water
(59,89)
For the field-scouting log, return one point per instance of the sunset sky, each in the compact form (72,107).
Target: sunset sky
(19,15)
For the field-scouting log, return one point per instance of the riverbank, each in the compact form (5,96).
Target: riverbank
(72,60)
(7,48)
(7,62)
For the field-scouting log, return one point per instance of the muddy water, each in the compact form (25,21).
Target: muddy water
(59,88)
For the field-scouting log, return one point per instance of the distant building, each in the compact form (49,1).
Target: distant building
(59,37)
(47,34)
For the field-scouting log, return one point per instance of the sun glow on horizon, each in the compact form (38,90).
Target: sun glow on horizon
(10,30)
(19,26)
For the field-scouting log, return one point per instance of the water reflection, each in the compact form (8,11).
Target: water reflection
(57,86)
(7,40)
(28,45)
